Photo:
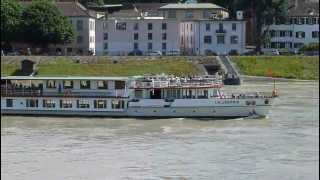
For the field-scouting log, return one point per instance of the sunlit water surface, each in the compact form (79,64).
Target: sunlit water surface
(285,145)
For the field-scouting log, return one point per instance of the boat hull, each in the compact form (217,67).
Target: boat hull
(160,112)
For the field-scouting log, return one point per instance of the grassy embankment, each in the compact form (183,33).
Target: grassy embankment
(294,67)
(64,67)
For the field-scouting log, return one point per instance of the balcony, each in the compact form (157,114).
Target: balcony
(221,31)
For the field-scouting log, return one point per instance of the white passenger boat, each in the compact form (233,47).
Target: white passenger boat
(140,96)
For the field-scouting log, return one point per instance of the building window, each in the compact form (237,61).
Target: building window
(79,25)
(189,15)
(314,20)
(315,34)
(51,84)
(164,26)
(136,26)
(150,26)
(308,21)
(105,45)
(172,14)
(295,20)
(102,84)
(79,39)
(105,25)
(300,34)
(282,45)
(83,103)
(290,33)
(49,103)
(234,26)
(135,46)
(220,39)
(206,14)
(9,102)
(120,84)
(282,33)
(136,36)
(208,27)
(84,84)
(302,21)
(105,36)
(100,104)
(149,46)
(122,26)
(273,45)
(234,39)
(117,104)
(164,36)
(67,84)
(31,103)
(149,36)
(65,103)
(207,39)
(69,50)
(164,46)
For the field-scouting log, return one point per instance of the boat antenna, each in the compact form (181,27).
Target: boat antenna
(274,91)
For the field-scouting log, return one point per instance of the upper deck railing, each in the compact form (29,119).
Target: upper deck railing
(175,82)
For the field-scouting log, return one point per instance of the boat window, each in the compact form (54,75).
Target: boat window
(120,85)
(65,103)
(138,94)
(48,103)
(51,84)
(117,104)
(100,104)
(102,84)
(83,103)
(67,84)
(31,102)
(9,102)
(84,84)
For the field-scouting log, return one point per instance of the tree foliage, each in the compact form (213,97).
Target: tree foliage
(11,12)
(265,12)
(44,23)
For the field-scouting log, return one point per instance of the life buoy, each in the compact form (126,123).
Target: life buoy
(67,93)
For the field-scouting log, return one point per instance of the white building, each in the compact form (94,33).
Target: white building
(204,37)
(301,27)
(121,36)
(122,32)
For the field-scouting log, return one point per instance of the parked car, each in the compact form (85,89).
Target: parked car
(272,52)
(135,53)
(174,53)
(155,53)
(13,53)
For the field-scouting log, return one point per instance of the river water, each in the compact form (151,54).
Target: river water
(285,145)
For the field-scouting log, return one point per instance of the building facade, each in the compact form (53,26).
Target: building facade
(186,28)
(205,37)
(301,28)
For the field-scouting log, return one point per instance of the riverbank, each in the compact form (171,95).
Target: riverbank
(290,67)
(106,67)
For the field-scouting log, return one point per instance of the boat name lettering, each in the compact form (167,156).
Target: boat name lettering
(227,102)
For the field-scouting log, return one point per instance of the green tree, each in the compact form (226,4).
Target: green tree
(11,12)
(264,12)
(43,24)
